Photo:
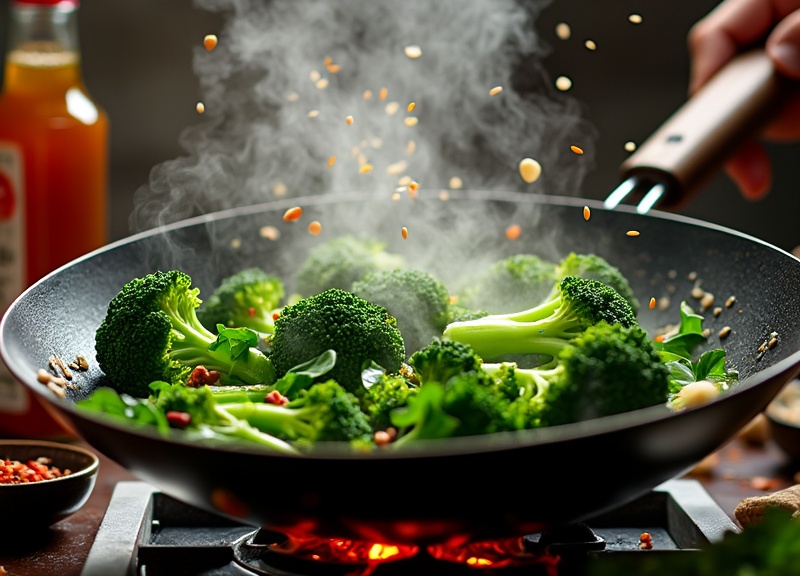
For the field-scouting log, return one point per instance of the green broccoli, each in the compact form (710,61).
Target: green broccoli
(547,328)
(249,298)
(607,369)
(419,301)
(151,332)
(466,405)
(594,267)
(341,261)
(460,313)
(513,283)
(324,412)
(442,359)
(359,331)
(388,392)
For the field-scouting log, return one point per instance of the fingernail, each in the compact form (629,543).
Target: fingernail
(787,56)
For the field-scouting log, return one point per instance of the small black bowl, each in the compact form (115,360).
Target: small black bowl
(783,416)
(42,503)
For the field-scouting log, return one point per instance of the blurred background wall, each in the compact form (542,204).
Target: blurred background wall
(138,63)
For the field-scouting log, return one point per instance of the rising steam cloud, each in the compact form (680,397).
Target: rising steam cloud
(256,141)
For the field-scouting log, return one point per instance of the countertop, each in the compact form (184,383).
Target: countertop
(738,470)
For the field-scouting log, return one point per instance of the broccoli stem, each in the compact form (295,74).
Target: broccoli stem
(240,428)
(495,337)
(273,419)
(232,394)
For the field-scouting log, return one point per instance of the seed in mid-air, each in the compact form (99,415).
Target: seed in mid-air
(586,213)
(495,91)
(411,121)
(652,303)
(456,183)
(632,233)
(404,232)
(563,83)
(577,149)
(365,169)
(314,228)
(413,51)
(590,45)
(293,214)
(331,161)
(630,146)
(635,18)
(513,232)
(210,42)
(349,120)
(411,106)
(563,31)
(530,170)
(200,108)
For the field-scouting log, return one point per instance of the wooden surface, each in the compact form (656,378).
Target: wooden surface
(739,470)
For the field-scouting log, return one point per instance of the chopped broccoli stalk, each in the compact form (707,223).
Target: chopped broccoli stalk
(443,359)
(608,369)
(547,328)
(342,260)
(324,412)
(419,301)
(513,283)
(151,332)
(359,332)
(248,298)
(387,393)
(594,267)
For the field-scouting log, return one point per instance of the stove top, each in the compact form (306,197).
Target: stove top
(148,533)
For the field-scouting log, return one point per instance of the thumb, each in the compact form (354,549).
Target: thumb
(783,45)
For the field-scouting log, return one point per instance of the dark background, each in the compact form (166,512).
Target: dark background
(137,59)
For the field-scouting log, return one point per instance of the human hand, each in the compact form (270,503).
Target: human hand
(715,39)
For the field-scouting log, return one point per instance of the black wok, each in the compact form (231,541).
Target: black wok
(482,487)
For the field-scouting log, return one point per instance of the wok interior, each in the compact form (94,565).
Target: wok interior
(454,239)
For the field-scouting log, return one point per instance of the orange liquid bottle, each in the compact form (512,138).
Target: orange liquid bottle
(53,173)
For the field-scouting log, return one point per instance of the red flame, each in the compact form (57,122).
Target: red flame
(344,551)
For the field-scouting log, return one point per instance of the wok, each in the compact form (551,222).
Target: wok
(472,488)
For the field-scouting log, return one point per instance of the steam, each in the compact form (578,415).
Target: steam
(256,142)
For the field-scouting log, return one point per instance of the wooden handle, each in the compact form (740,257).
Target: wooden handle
(693,144)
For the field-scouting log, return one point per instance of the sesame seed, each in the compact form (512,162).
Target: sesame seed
(322,83)
(495,91)
(411,121)
(404,232)
(577,149)
(349,120)
(315,76)
(413,51)
(279,189)
(635,18)
(331,161)
(365,169)
(367,94)
(586,213)
(563,31)
(269,232)
(396,168)
(772,343)
(392,108)
(707,300)
(383,94)
(590,45)
(411,106)
(717,311)
(411,147)
(530,170)
(456,183)
(563,83)
(725,332)
(730,301)
(630,146)
(652,303)
(293,96)
(632,232)
(200,107)
(314,228)
(313,113)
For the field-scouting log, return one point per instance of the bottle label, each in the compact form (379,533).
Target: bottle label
(13,398)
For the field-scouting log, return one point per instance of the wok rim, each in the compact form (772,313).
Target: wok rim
(502,441)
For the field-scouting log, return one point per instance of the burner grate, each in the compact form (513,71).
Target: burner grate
(148,533)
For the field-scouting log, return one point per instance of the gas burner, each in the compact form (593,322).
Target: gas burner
(148,533)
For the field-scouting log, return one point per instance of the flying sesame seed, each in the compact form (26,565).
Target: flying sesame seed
(630,146)
(396,168)
(411,106)
(269,232)
(313,113)
(349,120)
(293,96)
(590,45)
(210,42)
(632,233)
(404,232)
(365,169)
(383,94)
(578,150)
(404,180)
(293,214)
(411,147)
(635,18)
(392,108)
(513,232)
(200,107)
(563,83)
(652,303)
(586,213)
(413,186)
(530,170)
(413,51)
(495,91)
(411,121)
(444,195)
(322,83)
(456,183)
(367,94)
(315,76)
(314,228)
(331,161)
(563,31)
(279,189)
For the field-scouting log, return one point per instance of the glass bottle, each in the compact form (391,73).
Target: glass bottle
(53,172)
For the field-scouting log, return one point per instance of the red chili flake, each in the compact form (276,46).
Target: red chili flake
(275,397)
(201,376)
(179,419)
(251,312)
(275,316)
(18,472)
(293,214)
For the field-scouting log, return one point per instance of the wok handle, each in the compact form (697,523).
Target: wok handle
(689,149)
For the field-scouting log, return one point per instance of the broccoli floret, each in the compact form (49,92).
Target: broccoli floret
(248,298)
(460,313)
(606,370)
(359,331)
(389,392)
(341,261)
(442,359)
(513,283)
(324,412)
(467,405)
(151,332)
(547,328)
(419,301)
(595,267)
